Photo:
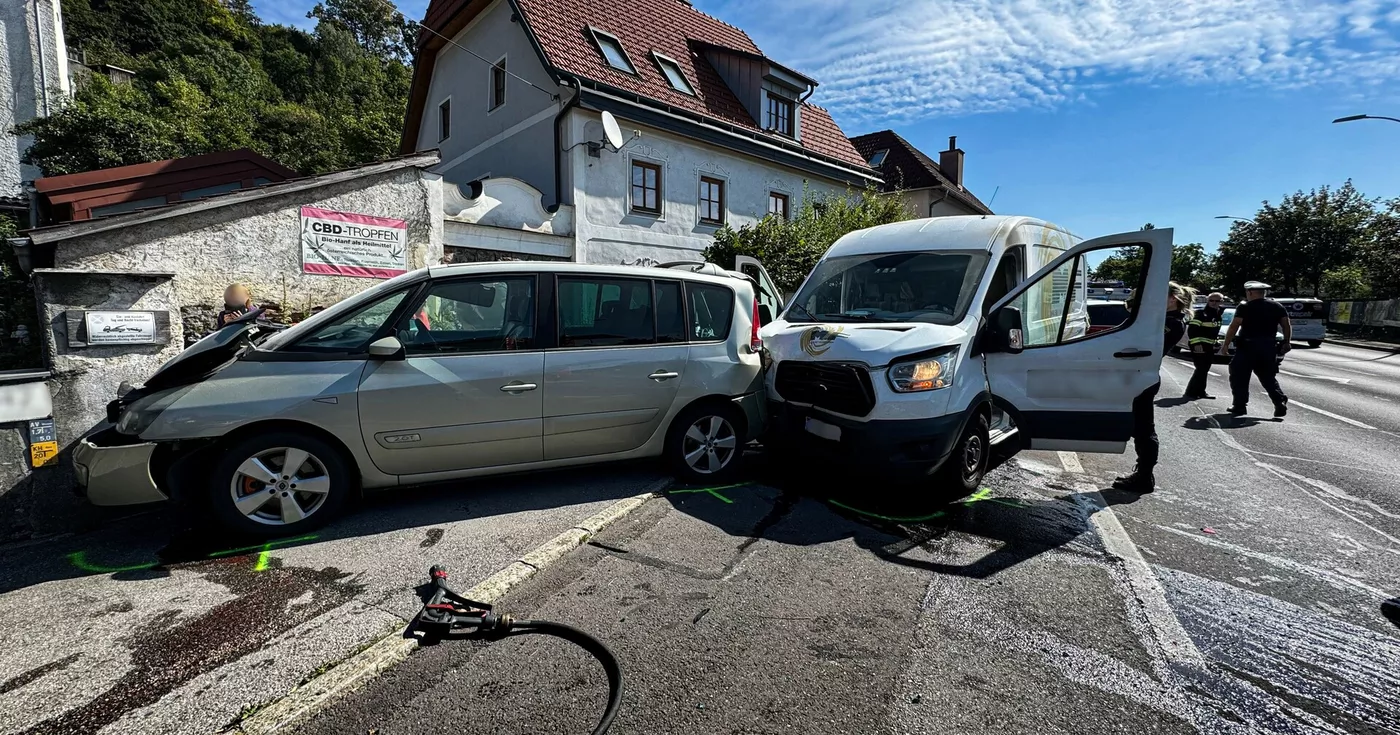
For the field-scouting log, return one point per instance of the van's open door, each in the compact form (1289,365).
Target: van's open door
(1067,389)
(770,300)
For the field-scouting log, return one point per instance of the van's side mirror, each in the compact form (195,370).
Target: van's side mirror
(1009,335)
(388,348)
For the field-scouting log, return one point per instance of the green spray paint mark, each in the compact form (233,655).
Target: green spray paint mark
(79,560)
(264,546)
(711,490)
(982,494)
(262,561)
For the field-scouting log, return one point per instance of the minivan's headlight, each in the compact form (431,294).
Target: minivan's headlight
(139,416)
(928,373)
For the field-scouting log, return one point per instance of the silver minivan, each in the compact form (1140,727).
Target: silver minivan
(443,373)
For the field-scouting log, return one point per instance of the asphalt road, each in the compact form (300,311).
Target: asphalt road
(1251,593)
(148,627)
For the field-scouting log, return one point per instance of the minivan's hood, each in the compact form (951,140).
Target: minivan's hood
(874,344)
(203,357)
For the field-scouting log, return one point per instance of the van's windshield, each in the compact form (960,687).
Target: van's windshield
(935,287)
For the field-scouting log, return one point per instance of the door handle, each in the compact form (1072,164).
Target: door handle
(518,387)
(661,375)
(1130,354)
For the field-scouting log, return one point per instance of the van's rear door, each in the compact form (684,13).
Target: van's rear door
(770,301)
(1069,389)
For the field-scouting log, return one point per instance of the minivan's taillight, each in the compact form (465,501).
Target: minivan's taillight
(755,344)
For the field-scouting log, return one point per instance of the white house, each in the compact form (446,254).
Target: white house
(716,133)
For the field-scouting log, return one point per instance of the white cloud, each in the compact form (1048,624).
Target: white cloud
(899,60)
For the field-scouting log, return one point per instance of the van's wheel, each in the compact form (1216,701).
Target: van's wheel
(278,484)
(1314,343)
(965,467)
(705,444)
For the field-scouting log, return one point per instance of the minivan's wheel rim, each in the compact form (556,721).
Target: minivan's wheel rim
(709,445)
(280,486)
(972,456)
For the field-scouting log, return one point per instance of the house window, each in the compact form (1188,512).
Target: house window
(711,201)
(613,52)
(445,120)
(780,115)
(498,84)
(879,157)
(673,74)
(778,204)
(646,187)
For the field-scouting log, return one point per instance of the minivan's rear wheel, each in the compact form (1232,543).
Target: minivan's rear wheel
(963,470)
(278,484)
(1314,343)
(705,444)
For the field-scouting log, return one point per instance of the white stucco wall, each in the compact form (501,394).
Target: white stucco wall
(607,232)
(943,206)
(259,242)
(33,61)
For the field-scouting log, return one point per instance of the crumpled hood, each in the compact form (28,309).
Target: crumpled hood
(873,344)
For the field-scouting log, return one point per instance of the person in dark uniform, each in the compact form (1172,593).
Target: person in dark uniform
(1203,336)
(1179,300)
(1257,321)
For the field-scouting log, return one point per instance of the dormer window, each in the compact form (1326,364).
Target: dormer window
(612,51)
(672,71)
(779,115)
(879,157)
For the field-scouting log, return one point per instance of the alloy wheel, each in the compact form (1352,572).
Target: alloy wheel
(709,445)
(280,486)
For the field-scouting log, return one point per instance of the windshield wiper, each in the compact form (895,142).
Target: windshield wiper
(854,317)
(796,306)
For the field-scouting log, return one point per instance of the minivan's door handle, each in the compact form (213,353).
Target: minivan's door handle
(518,387)
(661,375)
(1129,354)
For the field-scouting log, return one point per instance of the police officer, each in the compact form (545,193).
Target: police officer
(1256,321)
(1145,443)
(1203,336)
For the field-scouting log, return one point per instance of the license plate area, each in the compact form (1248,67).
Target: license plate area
(822,429)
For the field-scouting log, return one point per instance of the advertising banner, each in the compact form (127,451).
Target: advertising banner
(358,245)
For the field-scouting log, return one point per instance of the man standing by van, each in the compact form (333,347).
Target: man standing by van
(1257,321)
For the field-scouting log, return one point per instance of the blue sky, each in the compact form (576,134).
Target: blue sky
(1101,115)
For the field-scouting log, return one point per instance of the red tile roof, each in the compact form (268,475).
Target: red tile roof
(669,27)
(906,167)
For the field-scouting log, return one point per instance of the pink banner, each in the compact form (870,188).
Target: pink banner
(350,270)
(355,245)
(359,219)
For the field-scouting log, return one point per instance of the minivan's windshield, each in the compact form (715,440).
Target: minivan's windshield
(935,287)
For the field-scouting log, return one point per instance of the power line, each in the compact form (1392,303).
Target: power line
(483,59)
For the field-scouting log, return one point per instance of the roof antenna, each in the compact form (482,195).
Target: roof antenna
(993,199)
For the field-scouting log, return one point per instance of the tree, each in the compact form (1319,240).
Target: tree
(1125,264)
(1345,282)
(376,25)
(1293,244)
(1379,258)
(1190,265)
(790,249)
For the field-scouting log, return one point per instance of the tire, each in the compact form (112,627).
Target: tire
(718,426)
(965,467)
(323,468)
(1314,343)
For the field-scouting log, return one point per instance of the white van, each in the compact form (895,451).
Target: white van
(1309,318)
(915,347)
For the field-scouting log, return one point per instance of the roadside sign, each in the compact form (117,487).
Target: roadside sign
(43,442)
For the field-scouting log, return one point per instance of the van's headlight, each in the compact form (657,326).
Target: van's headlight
(927,373)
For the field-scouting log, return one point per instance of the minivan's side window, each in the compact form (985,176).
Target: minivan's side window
(605,312)
(476,315)
(352,332)
(711,311)
(1053,309)
(670,313)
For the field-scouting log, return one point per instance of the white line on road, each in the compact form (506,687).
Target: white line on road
(1329,414)
(1343,381)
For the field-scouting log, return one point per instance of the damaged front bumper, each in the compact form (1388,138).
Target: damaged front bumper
(115,469)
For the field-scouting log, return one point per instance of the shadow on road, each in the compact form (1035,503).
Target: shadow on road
(150,544)
(1173,402)
(1391,610)
(1227,421)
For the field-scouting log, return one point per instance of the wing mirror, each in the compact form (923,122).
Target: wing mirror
(1010,337)
(388,348)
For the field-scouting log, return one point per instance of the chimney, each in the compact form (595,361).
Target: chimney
(951,162)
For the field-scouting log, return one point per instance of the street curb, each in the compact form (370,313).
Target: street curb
(349,674)
(1361,345)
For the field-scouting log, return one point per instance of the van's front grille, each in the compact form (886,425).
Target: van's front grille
(835,387)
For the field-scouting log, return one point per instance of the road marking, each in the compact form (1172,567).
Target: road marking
(1329,414)
(1343,381)
(1071,462)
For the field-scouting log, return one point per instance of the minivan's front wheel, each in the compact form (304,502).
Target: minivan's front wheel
(278,484)
(705,444)
(965,467)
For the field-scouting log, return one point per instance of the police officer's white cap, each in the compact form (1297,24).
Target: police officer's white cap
(1256,286)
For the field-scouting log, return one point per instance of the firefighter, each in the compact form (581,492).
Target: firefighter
(1203,336)
(1257,321)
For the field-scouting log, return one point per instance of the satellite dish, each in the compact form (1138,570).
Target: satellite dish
(611,131)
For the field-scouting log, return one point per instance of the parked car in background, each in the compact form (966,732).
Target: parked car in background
(1309,317)
(443,373)
(1184,344)
(1107,291)
(1105,315)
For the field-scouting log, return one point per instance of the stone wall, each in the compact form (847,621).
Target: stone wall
(478,255)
